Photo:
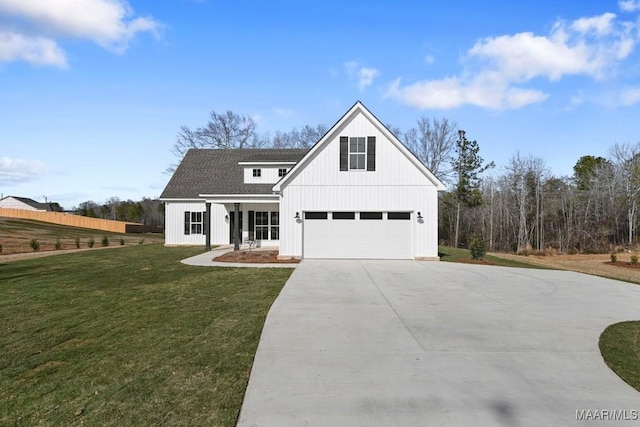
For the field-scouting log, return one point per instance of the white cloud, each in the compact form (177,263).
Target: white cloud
(629,97)
(602,24)
(429,59)
(13,171)
(109,23)
(497,67)
(629,5)
(576,101)
(452,92)
(284,112)
(38,51)
(364,75)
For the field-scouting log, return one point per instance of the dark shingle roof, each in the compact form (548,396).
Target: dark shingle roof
(33,203)
(212,171)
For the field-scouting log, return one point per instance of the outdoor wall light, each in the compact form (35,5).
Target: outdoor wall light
(226,218)
(419,216)
(297,215)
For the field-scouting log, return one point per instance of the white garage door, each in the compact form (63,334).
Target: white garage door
(379,235)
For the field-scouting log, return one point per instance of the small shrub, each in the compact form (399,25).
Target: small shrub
(104,241)
(35,245)
(551,251)
(121,241)
(91,242)
(477,247)
(77,241)
(614,258)
(634,259)
(141,241)
(58,245)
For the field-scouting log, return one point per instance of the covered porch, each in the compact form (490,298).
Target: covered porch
(242,220)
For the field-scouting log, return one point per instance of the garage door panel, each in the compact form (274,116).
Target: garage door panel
(372,239)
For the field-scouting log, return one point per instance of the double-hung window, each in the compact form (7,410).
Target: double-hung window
(275,226)
(257,173)
(267,225)
(194,222)
(357,153)
(262,225)
(282,172)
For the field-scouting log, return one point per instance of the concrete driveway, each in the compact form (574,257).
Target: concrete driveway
(405,343)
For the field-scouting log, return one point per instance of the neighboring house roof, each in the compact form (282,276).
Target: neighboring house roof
(33,203)
(216,171)
(357,108)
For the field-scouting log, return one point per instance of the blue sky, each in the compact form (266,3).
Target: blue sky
(93,92)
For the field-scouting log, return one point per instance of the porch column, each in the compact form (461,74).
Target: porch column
(236,227)
(207,229)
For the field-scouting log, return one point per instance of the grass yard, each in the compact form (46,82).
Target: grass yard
(16,234)
(620,348)
(450,254)
(128,337)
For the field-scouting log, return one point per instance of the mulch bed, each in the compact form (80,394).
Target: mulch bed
(624,264)
(254,257)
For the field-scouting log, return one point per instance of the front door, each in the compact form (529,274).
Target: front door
(232,215)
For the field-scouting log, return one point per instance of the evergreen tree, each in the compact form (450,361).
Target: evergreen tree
(467,167)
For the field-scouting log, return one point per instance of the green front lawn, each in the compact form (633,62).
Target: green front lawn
(128,337)
(620,348)
(450,254)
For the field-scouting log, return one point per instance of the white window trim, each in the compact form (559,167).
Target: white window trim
(269,225)
(359,153)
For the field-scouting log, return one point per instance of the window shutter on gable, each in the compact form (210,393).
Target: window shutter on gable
(344,153)
(187,222)
(252,225)
(371,153)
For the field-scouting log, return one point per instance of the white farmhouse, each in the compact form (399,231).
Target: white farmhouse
(357,193)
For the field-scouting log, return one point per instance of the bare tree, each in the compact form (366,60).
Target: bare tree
(306,137)
(224,131)
(627,159)
(433,142)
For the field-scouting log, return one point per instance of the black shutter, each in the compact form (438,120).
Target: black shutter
(205,223)
(344,153)
(252,225)
(371,153)
(187,222)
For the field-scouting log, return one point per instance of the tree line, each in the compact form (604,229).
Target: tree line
(520,206)
(527,208)
(147,211)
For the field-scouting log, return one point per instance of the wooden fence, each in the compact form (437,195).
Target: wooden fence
(74,220)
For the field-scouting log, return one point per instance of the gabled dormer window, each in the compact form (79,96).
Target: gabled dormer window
(358,153)
(257,173)
(282,172)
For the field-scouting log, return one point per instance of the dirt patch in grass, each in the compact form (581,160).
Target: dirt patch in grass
(254,257)
(596,264)
(624,264)
(476,261)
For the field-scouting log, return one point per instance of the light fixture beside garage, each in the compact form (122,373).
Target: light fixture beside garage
(419,216)
(297,215)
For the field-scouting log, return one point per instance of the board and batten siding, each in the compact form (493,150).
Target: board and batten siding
(223,229)
(174,222)
(396,185)
(268,175)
